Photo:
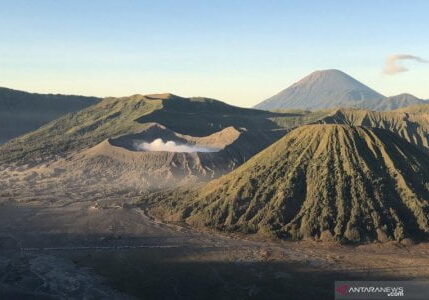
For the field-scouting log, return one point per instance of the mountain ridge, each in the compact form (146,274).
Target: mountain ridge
(113,117)
(22,112)
(355,184)
(391,103)
(413,127)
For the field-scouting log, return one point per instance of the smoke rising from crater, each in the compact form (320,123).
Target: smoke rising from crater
(393,67)
(171,146)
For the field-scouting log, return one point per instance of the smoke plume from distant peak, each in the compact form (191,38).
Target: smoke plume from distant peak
(171,146)
(393,65)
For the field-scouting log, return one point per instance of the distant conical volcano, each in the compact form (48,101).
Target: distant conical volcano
(319,90)
(326,182)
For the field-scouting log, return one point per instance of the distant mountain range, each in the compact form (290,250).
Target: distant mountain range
(334,88)
(391,103)
(22,112)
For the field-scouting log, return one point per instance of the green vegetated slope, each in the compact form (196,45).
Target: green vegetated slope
(117,116)
(22,112)
(75,131)
(411,123)
(319,181)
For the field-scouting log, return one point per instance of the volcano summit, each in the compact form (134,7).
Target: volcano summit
(320,90)
(326,182)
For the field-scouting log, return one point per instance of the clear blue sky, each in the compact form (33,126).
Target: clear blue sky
(240,52)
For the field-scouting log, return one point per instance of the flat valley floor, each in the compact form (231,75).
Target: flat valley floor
(76,241)
(81,251)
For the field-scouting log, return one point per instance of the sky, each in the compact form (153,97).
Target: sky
(240,52)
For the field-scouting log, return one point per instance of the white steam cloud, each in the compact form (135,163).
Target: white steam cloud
(393,67)
(171,146)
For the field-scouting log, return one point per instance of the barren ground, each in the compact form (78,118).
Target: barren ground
(59,241)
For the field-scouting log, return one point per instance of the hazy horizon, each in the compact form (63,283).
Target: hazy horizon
(238,52)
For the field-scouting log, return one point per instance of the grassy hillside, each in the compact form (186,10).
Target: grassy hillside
(22,112)
(117,116)
(327,182)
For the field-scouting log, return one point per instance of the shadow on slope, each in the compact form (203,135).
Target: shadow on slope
(22,112)
(326,182)
(202,116)
(113,117)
